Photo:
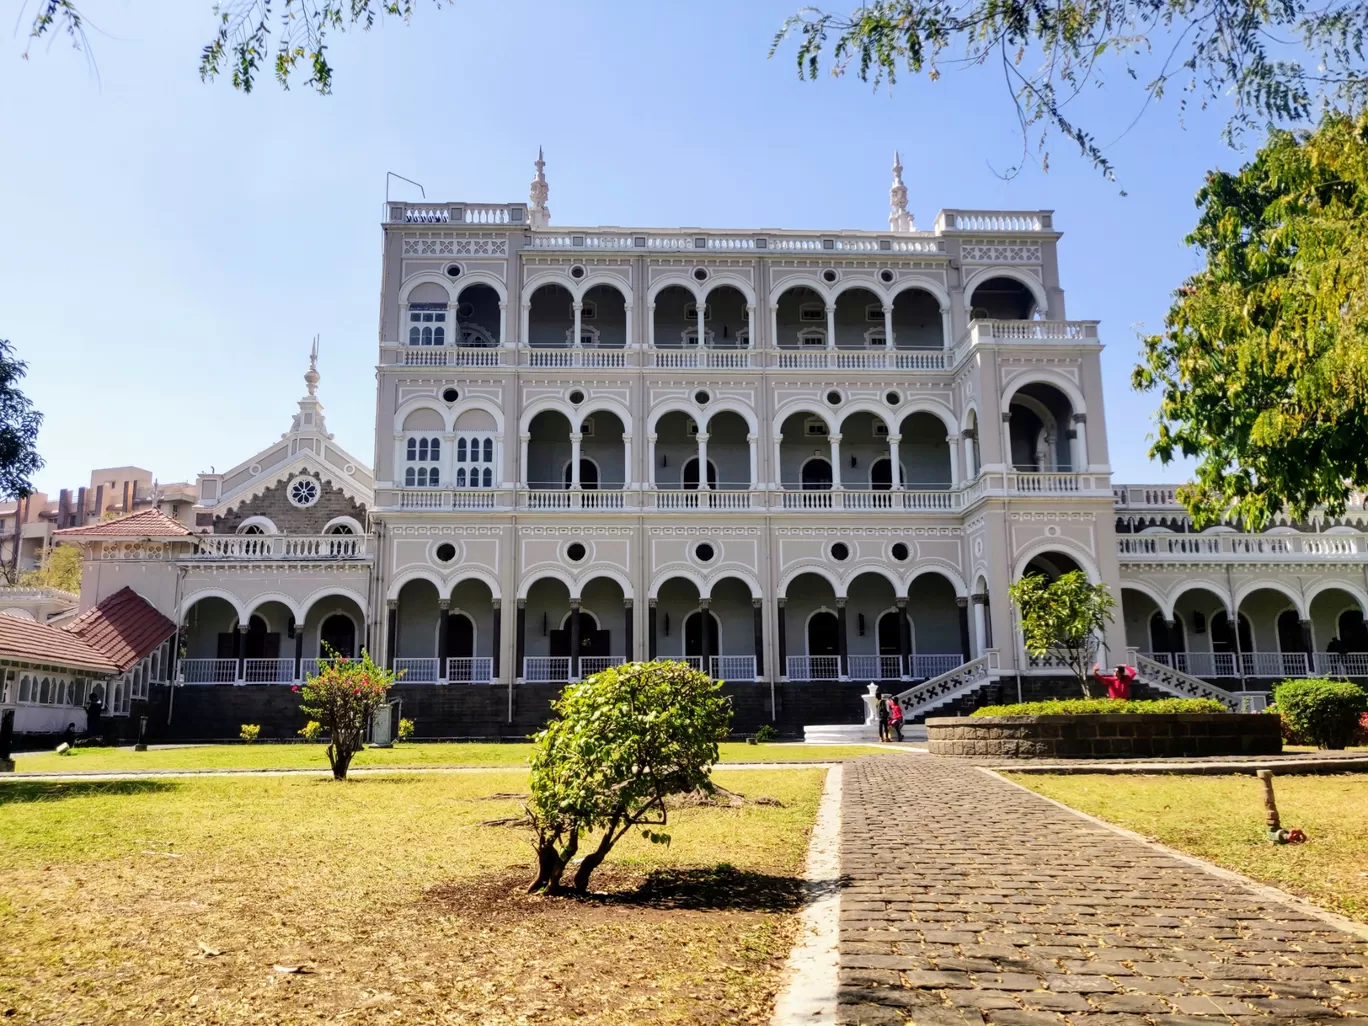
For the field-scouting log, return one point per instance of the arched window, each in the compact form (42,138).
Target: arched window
(423,454)
(473,454)
(690,479)
(816,475)
(427,324)
(26,689)
(341,529)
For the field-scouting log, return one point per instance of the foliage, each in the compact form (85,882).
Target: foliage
(623,740)
(1063,617)
(1108,706)
(1049,54)
(242,40)
(1262,367)
(343,696)
(1325,712)
(250,732)
(405,730)
(19,424)
(766,733)
(59,567)
(311,731)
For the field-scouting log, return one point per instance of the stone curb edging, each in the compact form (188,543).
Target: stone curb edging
(808,993)
(1211,769)
(1264,891)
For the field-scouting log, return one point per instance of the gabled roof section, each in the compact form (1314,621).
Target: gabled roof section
(146,523)
(30,641)
(124,628)
(306,448)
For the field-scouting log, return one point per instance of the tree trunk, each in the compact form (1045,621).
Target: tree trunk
(551,862)
(595,858)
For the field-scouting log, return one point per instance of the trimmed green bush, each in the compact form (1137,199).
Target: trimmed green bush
(1093,706)
(1325,712)
(766,733)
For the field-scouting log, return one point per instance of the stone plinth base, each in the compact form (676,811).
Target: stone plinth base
(842,734)
(1106,736)
(6,765)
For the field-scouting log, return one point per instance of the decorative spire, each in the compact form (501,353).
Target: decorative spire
(539,216)
(311,375)
(899,220)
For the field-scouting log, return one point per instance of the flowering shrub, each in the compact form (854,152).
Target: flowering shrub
(250,732)
(311,731)
(342,697)
(405,730)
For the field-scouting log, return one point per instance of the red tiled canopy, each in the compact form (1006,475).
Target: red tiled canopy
(29,641)
(124,627)
(146,523)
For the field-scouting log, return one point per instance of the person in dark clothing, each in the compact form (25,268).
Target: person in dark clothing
(69,735)
(94,707)
(883,719)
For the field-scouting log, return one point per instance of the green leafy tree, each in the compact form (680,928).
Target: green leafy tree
(342,697)
(60,568)
(1063,617)
(242,42)
(1277,62)
(19,424)
(1262,366)
(623,741)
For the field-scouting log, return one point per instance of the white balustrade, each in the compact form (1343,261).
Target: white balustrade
(594,664)
(481,213)
(414,214)
(572,357)
(470,670)
(279,546)
(733,667)
(546,669)
(707,358)
(945,687)
(1241,547)
(693,662)
(814,667)
(268,671)
(209,671)
(1346,664)
(991,221)
(432,498)
(473,498)
(602,499)
(312,667)
(418,671)
(874,667)
(546,498)
(933,665)
(693,499)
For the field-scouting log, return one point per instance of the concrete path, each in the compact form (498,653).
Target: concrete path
(967,900)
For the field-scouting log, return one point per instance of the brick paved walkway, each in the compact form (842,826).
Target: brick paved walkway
(971,901)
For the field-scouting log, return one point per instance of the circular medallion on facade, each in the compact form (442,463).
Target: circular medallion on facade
(578,271)
(453,270)
(829,275)
(892,398)
(900,552)
(575,551)
(446,552)
(840,552)
(700,274)
(576,397)
(886,276)
(303,492)
(450,395)
(702,398)
(704,552)
(834,397)
(254,469)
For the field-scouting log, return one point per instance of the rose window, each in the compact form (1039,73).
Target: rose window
(304,492)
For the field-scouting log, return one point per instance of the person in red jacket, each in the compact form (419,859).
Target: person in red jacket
(1118,683)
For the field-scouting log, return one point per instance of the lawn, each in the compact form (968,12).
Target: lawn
(136,900)
(311,756)
(1221,819)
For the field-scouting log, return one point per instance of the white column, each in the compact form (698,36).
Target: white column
(947,326)
(526,321)
(893,458)
(888,325)
(776,472)
(751,330)
(980,626)
(650,325)
(835,441)
(774,328)
(503,324)
(577,306)
(1006,441)
(650,451)
(628,477)
(453,332)
(397,476)
(702,305)
(754,441)
(628,341)
(523,470)
(575,438)
(501,473)
(702,461)
(1080,447)
(831,325)
(954,441)
(448,460)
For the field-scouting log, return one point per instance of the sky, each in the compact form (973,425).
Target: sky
(168,248)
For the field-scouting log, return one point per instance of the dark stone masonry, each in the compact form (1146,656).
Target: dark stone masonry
(966,900)
(1106,736)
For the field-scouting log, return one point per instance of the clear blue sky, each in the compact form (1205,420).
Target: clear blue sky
(169,247)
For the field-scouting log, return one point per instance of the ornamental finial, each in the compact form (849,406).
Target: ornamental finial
(311,375)
(899,220)
(540,215)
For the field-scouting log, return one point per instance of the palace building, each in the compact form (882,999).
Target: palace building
(803,461)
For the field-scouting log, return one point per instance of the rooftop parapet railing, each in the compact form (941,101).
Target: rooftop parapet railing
(995,221)
(1235,547)
(685,240)
(507,214)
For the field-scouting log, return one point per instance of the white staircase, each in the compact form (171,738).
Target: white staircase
(919,700)
(1175,682)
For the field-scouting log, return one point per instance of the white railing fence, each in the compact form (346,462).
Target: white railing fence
(594,664)
(470,670)
(814,667)
(268,671)
(733,667)
(208,671)
(418,671)
(874,667)
(546,669)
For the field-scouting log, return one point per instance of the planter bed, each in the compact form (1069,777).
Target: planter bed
(1104,736)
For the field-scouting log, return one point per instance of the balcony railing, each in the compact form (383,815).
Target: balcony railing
(814,667)
(794,497)
(724,497)
(268,671)
(546,669)
(859,359)
(733,667)
(875,667)
(1241,547)
(470,670)
(571,357)
(278,546)
(209,671)
(595,664)
(705,358)
(418,671)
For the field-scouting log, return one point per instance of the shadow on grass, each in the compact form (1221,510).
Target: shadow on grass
(719,888)
(17,791)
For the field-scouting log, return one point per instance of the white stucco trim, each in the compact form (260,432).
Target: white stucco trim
(1016,274)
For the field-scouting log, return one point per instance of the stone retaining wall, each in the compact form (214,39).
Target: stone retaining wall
(1106,735)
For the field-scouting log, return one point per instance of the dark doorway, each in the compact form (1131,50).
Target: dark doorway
(588,474)
(1164,640)
(462,637)
(1353,632)
(881,475)
(816,475)
(593,642)
(693,634)
(691,474)
(259,643)
(889,643)
(337,637)
(1289,632)
(1222,639)
(822,639)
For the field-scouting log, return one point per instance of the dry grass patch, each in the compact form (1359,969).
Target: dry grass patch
(133,900)
(1221,819)
(401,756)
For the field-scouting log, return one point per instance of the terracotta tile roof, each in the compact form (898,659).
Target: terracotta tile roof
(124,627)
(146,523)
(39,643)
